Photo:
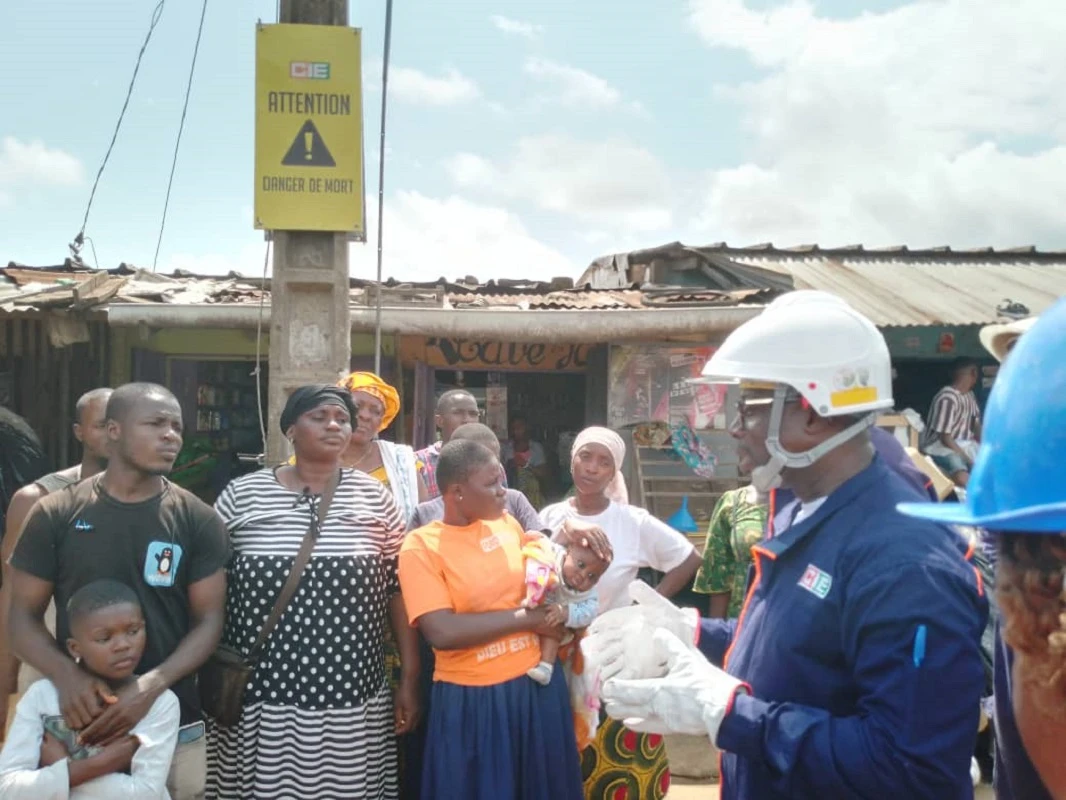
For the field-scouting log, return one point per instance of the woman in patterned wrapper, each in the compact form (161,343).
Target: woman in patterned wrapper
(395,465)
(318,720)
(621,762)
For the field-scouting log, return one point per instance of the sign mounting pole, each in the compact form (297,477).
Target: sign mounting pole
(381,180)
(308,192)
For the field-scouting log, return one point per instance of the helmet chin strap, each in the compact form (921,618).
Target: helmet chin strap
(768,476)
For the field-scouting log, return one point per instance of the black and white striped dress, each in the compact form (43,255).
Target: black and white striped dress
(317,721)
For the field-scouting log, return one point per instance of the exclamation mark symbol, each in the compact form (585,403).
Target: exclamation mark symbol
(309,138)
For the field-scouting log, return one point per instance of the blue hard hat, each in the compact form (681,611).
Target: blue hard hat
(1018,482)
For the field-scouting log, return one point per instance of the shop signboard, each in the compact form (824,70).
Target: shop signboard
(651,383)
(471,354)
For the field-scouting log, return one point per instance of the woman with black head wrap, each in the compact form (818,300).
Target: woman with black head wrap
(318,718)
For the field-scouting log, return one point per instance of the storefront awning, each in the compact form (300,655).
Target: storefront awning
(577,326)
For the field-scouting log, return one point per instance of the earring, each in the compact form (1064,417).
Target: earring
(460,498)
(77,659)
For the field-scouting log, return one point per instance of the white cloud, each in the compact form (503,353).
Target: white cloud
(414,86)
(32,164)
(427,238)
(248,261)
(613,182)
(517,27)
(575,87)
(872,129)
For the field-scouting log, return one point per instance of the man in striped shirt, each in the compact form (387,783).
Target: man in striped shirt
(455,407)
(954,425)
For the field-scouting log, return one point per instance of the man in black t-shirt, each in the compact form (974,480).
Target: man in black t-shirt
(91,430)
(131,525)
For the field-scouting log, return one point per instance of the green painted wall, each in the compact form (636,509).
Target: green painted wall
(925,342)
(213,342)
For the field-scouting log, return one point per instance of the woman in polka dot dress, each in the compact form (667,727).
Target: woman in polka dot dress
(318,720)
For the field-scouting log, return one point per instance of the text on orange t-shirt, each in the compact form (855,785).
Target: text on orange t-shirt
(470,570)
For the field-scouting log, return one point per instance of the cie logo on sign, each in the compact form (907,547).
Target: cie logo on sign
(309,70)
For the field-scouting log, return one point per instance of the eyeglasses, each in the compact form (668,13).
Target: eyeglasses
(749,409)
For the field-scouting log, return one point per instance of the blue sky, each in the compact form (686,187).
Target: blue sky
(526,138)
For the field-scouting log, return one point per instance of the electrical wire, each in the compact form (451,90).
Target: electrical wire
(381,180)
(92,246)
(80,238)
(181,128)
(258,371)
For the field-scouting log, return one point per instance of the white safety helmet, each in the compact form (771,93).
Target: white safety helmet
(805,296)
(824,350)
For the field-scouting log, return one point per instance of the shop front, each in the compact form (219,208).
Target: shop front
(220,377)
(552,390)
(682,456)
(47,361)
(921,361)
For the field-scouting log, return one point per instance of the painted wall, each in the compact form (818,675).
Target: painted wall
(207,342)
(935,341)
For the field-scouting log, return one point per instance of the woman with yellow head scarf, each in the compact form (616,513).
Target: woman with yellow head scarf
(395,465)
(377,404)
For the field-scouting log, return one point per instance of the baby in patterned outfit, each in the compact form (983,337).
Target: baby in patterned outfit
(563,578)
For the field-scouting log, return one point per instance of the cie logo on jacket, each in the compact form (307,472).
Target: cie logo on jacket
(816,581)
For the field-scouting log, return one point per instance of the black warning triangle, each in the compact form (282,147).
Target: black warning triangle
(308,149)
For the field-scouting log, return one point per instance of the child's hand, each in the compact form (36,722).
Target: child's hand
(52,750)
(557,615)
(119,754)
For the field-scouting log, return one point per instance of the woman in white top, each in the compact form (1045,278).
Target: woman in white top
(620,758)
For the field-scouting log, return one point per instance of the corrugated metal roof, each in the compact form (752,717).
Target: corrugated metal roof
(926,292)
(27,288)
(892,286)
(574,300)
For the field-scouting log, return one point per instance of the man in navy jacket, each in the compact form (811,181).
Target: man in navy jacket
(854,670)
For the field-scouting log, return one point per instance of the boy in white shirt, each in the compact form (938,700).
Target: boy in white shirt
(42,758)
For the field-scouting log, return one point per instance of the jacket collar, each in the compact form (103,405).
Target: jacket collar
(845,494)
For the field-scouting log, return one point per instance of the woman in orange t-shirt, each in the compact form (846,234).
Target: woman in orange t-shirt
(493,733)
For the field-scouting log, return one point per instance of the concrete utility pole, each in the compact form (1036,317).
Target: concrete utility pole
(310,323)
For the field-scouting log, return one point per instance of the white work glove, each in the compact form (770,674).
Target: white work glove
(692,696)
(616,644)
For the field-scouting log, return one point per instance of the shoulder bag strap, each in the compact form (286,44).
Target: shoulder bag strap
(296,573)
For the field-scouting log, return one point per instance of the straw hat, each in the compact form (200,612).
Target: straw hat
(997,339)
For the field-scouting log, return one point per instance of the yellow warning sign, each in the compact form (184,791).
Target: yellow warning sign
(309,129)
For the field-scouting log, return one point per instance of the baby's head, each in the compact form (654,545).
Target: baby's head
(106,629)
(582,568)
